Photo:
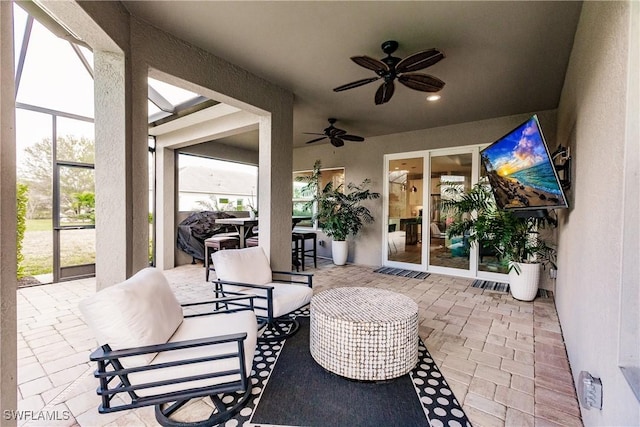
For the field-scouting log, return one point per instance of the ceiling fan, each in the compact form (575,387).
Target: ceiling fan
(391,67)
(336,136)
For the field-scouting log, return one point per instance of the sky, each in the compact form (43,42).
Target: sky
(53,77)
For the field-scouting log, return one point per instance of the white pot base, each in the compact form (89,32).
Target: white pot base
(524,286)
(339,252)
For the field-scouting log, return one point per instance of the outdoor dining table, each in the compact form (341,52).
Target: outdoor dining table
(244,225)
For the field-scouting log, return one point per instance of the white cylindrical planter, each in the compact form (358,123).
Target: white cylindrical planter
(524,286)
(339,251)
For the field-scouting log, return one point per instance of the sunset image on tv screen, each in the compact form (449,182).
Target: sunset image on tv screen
(520,172)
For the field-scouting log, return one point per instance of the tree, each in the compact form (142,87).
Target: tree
(37,172)
(83,206)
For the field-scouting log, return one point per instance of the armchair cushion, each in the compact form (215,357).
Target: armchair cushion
(247,271)
(287,297)
(137,312)
(195,328)
(248,265)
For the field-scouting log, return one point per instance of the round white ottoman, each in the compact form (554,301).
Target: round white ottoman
(364,333)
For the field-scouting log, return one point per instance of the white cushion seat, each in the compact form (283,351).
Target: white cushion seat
(286,297)
(199,327)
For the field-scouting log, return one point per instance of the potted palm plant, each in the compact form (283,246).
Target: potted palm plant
(339,210)
(515,239)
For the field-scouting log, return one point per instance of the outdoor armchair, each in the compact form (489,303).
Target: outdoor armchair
(277,293)
(152,354)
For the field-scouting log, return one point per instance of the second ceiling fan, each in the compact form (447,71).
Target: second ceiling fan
(391,68)
(336,136)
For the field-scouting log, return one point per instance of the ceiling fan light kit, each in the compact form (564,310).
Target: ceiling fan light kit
(391,68)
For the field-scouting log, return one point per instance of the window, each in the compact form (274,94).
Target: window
(206,184)
(301,206)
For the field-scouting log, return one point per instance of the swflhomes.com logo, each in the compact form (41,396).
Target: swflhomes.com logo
(36,415)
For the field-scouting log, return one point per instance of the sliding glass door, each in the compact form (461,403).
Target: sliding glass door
(415,231)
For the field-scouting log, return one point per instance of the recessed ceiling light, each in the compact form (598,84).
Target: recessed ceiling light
(432,98)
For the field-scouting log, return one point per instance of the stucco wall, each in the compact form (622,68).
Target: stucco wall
(592,119)
(8,316)
(366,160)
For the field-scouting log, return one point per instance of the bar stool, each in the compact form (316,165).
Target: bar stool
(217,243)
(304,236)
(253,241)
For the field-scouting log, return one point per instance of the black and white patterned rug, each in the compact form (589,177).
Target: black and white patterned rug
(436,399)
(491,286)
(402,272)
(504,287)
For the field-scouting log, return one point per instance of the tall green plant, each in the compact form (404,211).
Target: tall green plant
(22,198)
(514,238)
(339,210)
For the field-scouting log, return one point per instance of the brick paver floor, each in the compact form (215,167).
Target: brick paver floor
(505,360)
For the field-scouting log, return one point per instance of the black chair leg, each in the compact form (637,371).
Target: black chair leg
(279,329)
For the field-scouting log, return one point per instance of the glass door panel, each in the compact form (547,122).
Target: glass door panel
(449,173)
(405,185)
(74,221)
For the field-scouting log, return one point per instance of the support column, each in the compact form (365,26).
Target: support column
(8,259)
(112,172)
(274,185)
(165,207)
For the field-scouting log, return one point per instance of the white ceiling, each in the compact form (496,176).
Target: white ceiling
(502,58)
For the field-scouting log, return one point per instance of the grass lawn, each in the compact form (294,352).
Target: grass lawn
(39,225)
(76,247)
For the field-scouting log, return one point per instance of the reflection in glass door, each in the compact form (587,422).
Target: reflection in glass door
(405,190)
(449,173)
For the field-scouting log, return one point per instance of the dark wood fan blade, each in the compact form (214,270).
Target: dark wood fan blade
(337,132)
(384,92)
(352,138)
(370,63)
(419,61)
(316,140)
(337,142)
(423,82)
(312,133)
(355,84)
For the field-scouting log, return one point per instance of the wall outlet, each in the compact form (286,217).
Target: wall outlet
(321,242)
(589,391)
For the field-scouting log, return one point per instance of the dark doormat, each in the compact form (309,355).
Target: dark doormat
(504,287)
(291,389)
(402,272)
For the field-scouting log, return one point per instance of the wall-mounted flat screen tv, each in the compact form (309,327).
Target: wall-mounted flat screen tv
(521,171)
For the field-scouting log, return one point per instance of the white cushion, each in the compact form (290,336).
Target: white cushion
(248,265)
(286,297)
(137,312)
(202,327)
